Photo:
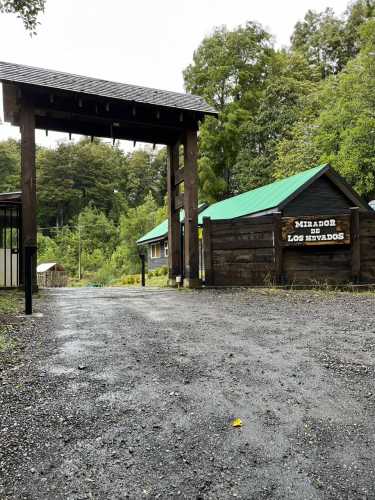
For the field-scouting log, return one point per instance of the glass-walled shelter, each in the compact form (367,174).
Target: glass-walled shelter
(10,240)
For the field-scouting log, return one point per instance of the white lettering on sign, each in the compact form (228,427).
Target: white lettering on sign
(300,224)
(317,230)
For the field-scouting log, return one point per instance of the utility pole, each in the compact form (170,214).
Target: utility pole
(79,253)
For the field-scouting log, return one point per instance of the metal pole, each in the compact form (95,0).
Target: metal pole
(143,271)
(79,253)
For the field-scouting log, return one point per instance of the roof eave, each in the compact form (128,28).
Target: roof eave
(152,240)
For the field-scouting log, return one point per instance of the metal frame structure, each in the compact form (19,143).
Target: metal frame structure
(10,240)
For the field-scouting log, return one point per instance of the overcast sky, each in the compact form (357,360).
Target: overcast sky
(145,42)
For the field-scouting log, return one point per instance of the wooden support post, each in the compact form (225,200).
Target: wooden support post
(207,252)
(356,245)
(174,240)
(28,185)
(278,249)
(191,243)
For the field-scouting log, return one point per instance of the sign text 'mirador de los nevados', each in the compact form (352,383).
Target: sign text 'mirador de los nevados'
(316,230)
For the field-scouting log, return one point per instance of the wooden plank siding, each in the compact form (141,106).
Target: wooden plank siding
(247,252)
(322,197)
(317,265)
(239,252)
(367,248)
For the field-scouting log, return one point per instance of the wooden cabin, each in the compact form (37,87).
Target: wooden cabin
(311,227)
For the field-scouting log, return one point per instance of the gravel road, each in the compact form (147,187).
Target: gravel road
(130,393)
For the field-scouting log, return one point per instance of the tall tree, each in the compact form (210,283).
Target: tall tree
(10,160)
(133,225)
(229,69)
(145,172)
(339,128)
(320,37)
(74,175)
(328,42)
(290,80)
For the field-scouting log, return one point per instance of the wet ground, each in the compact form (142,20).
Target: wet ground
(128,393)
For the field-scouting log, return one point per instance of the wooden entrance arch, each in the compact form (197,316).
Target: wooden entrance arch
(36,98)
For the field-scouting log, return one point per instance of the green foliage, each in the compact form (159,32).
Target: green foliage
(321,37)
(229,69)
(27,10)
(280,112)
(133,225)
(97,232)
(340,129)
(146,172)
(75,175)
(279,108)
(10,302)
(10,161)
(271,103)
(131,279)
(329,42)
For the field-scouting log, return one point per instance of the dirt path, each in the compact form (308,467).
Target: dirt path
(129,394)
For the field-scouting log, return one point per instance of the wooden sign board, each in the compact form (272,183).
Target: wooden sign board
(316,230)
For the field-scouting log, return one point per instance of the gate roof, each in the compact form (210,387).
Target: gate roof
(77,104)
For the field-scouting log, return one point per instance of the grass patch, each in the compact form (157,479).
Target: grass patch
(157,281)
(10,303)
(5,342)
(135,281)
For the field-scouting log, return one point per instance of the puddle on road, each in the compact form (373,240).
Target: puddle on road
(60,370)
(77,347)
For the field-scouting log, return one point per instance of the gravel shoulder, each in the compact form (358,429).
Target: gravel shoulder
(129,393)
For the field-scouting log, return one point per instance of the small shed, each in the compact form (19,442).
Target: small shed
(51,275)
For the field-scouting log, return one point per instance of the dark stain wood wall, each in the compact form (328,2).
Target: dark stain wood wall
(367,248)
(239,252)
(322,197)
(247,252)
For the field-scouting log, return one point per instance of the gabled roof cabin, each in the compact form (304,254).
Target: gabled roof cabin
(317,191)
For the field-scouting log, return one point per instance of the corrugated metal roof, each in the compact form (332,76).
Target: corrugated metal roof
(17,73)
(160,230)
(43,268)
(13,196)
(157,232)
(258,200)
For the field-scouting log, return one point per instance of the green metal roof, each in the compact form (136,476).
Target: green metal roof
(158,231)
(258,200)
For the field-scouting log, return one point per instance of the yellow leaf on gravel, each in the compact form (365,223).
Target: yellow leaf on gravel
(236,422)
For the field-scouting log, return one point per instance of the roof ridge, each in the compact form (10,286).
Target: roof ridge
(303,172)
(111,82)
(142,87)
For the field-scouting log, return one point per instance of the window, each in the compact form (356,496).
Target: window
(155,251)
(166,248)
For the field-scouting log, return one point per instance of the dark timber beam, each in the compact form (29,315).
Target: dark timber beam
(28,184)
(174,246)
(191,242)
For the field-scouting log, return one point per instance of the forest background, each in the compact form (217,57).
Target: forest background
(280,111)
